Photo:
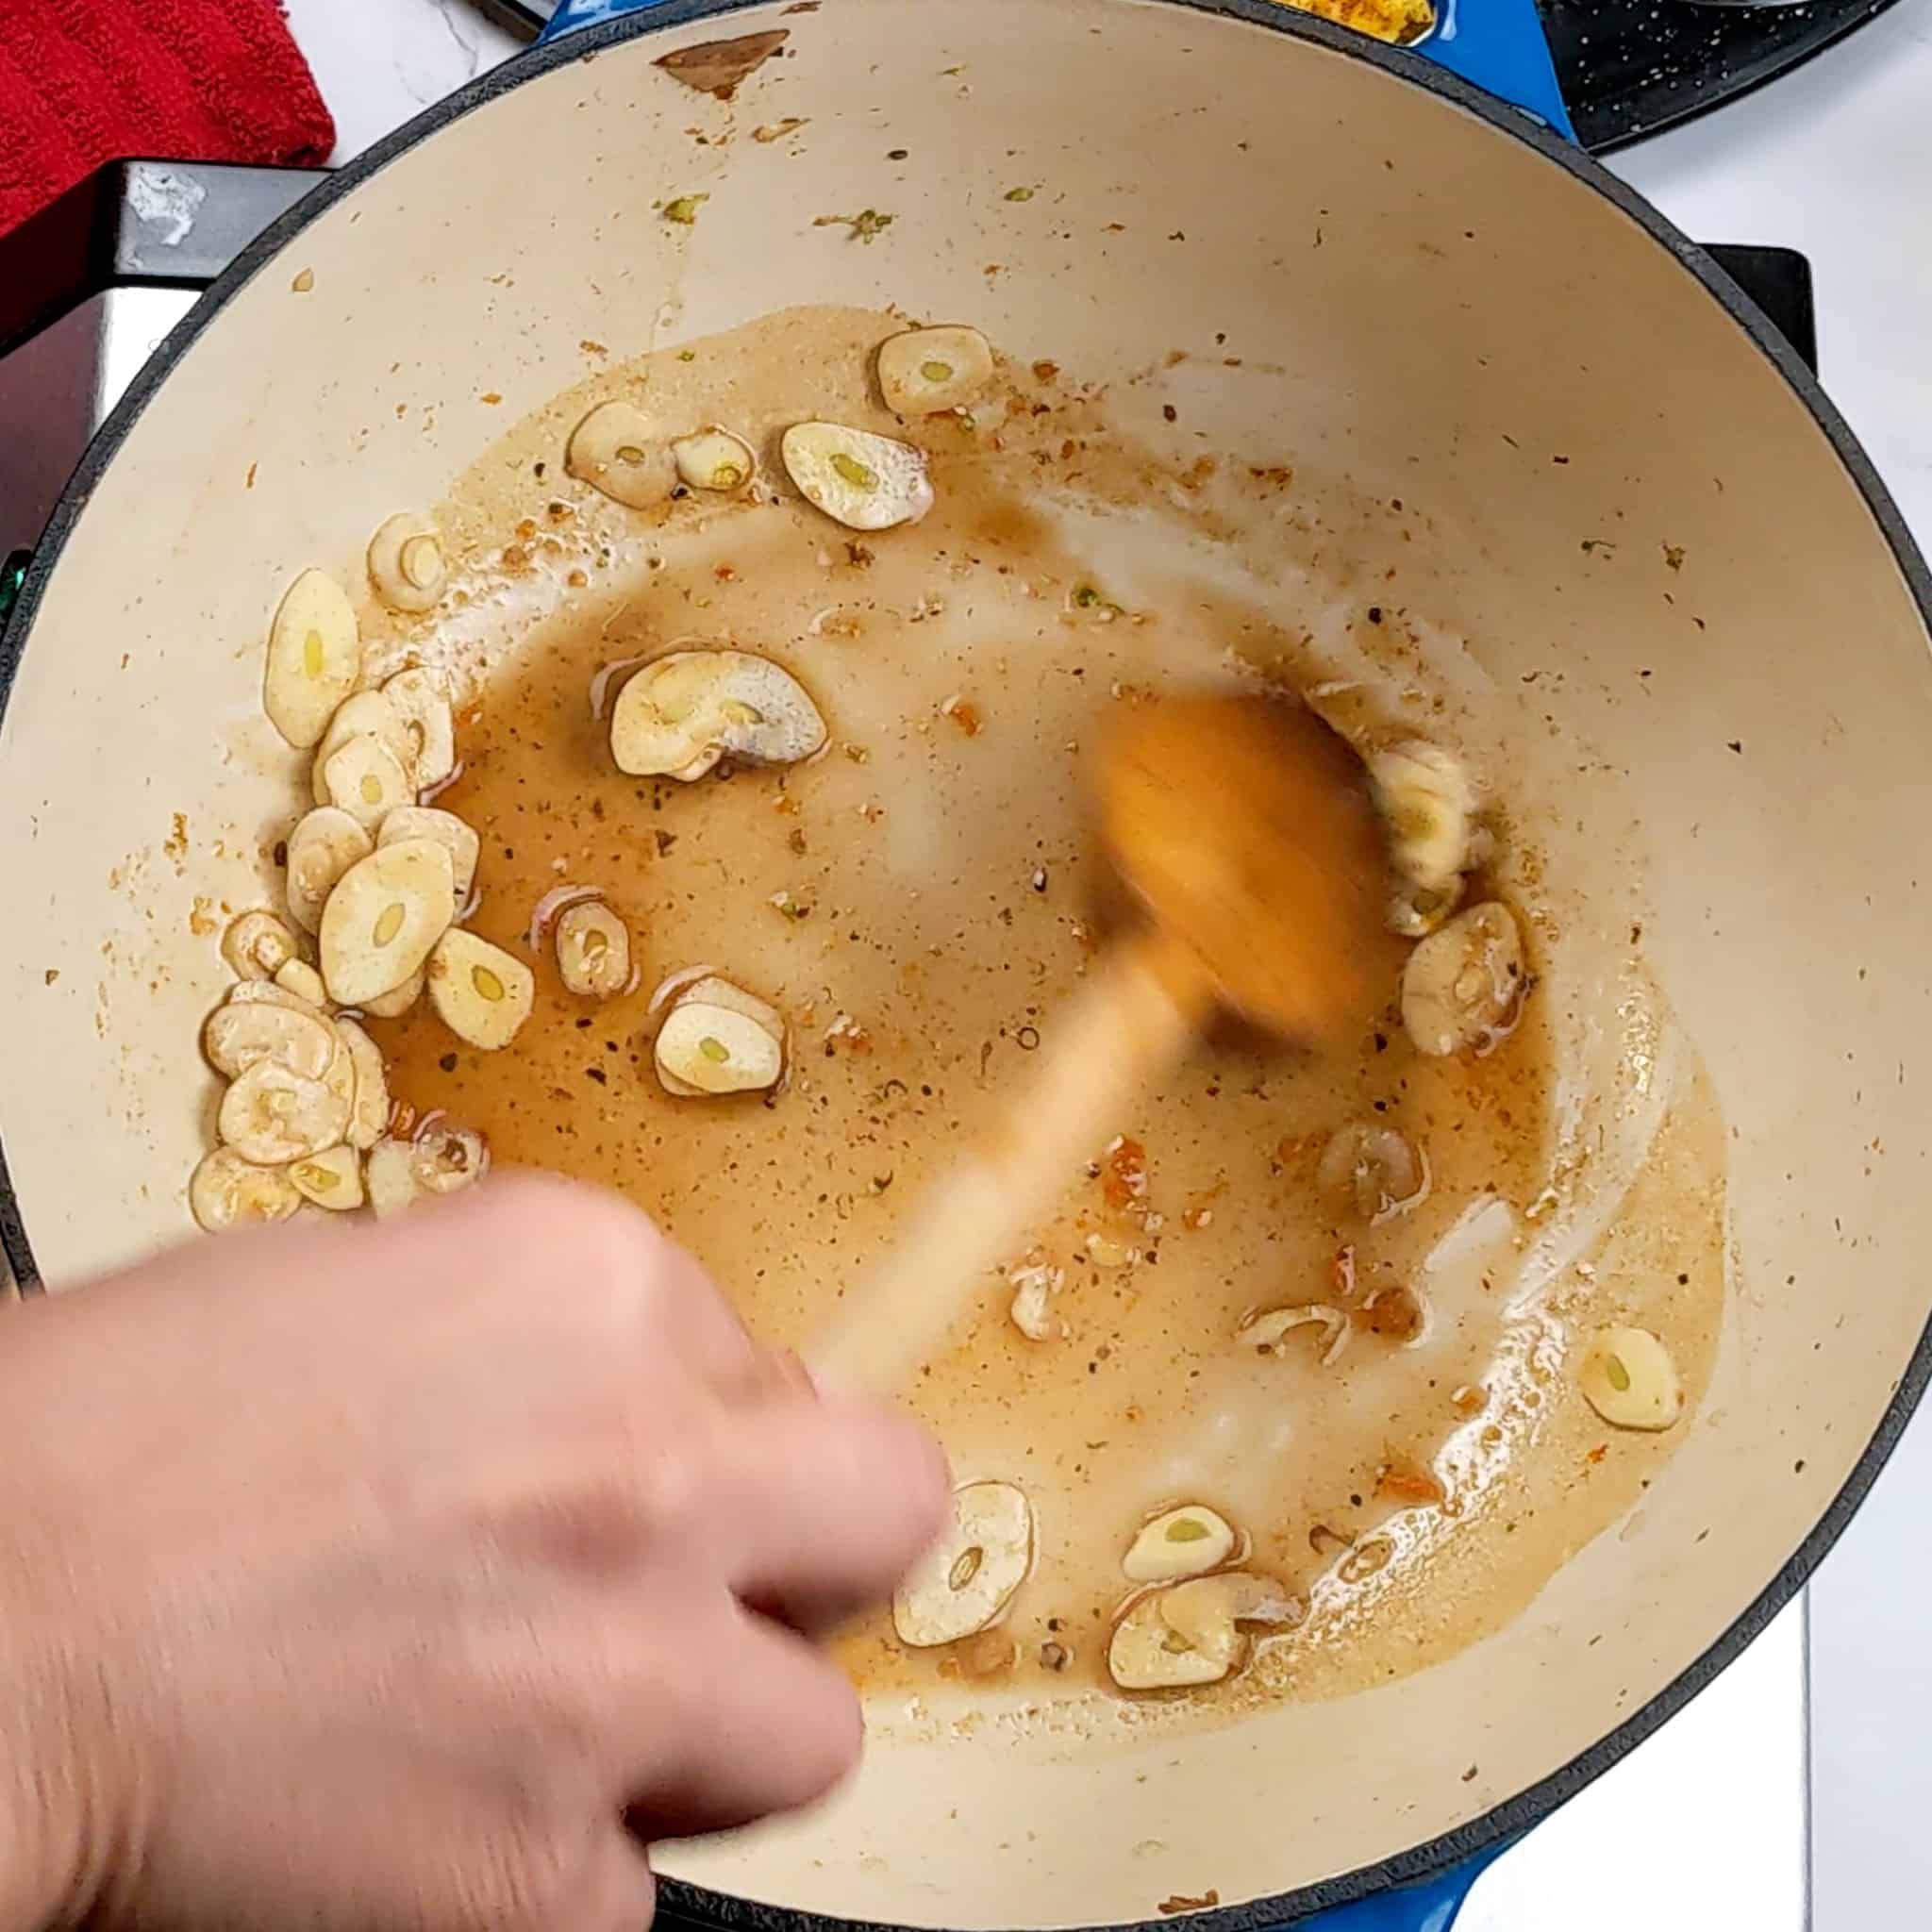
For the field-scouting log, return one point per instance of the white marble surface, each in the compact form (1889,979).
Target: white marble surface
(1836,160)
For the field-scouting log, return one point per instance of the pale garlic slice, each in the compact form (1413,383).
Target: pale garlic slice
(406,562)
(1383,1171)
(331,1180)
(247,992)
(226,1192)
(394,1004)
(1462,986)
(680,715)
(616,450)
(384,914)
(369,1117)
(422,705)
(717,1040)
(300,979)
(443,828)
(270,1116)
(480,993)
(1190,1634)
(1144,1655)
(714,459)
(256,945)
(1628,1377)
(389,1174)
(924,371)
(1428,803)
(966,1580)
(1186,1541)
(1266,1331)
(366,779)
(239,1035)
(368,714)
(315,658)
(592,949)
(864,481)
(323,845)
(1034,1286)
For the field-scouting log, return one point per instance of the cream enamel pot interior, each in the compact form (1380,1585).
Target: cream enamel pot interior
(1434,302)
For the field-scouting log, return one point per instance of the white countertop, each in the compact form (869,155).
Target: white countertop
(1836,160)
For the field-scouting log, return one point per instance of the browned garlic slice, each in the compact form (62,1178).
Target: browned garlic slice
(300,979)
(1383,1171)
(323,845)
(719,1039)
(592,949)
(443,829)
(366,779)
(926,370)
(258,945)
(393,1004)
(270,1116)
(714,459)
(866,482)
(332,1179)
(1268,1329)
(384,914)
(422,705)
(1188,1541)
(369,1118)
(406,562)
(1462,986)
(446,1159)
(616,451)
(1628,1377)
(1190,1634)
(481,994)
(239,1035)
(226,1192)
(966,1580)
(368,714)
(315,658)
(1429,802)
(679,715)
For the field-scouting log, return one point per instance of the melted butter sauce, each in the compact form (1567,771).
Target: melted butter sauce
(920,901)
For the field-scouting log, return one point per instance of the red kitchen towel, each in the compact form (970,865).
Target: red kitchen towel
(87,81)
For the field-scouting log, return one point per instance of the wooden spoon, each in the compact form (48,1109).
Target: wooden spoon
(1242,826)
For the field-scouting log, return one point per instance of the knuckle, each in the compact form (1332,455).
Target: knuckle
(530,1878)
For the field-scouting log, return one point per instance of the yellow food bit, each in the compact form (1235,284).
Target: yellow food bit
(855,473)
(714,1050)
(1400,23)
(1187,1529)
(683,210)
(936,371)
(390,922)
(372,789)
(486,982)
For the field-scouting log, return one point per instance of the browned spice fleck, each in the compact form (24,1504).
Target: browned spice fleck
(1180,1902)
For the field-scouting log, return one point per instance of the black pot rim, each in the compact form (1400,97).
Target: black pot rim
(1481,1836)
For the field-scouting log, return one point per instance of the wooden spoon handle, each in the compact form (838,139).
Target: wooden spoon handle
(1130,1022)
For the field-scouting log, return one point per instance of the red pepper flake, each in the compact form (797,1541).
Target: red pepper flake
(491,397)
(1180,1902)
(251,468)
(1598,1453)
(965,714)
(1409,1485)
(1046,372)
(1123,1177)
(1393,1313)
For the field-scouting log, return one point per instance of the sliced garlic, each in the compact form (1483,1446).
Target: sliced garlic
(248,992)
(1385,1173)
(300,979)
(966,1580)
(1427,801)
(616,451)
(389,1174)
(227,1191)
(237,1035)
(366,779)
(1190,1634)
(679,715)
(1188,1541)
(592,949)
(406,562)
(1145,1655)
(422,705)
(323,845)
(270,1116)
(315,658)
(445,1161)
(368,714)
(384,914)
(443,828)
(1267,1330)
(1628,1377)
(926,370)
(369,1118)
(256,945)
(392,1005)
(866,482)
(1462,986)
(1031,1311)
(332,1179)
(714,459)
(481,994)
(719,1039)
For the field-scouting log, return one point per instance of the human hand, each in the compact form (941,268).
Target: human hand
(362,1576)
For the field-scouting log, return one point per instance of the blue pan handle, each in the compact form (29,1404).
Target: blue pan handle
(1430,1906)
